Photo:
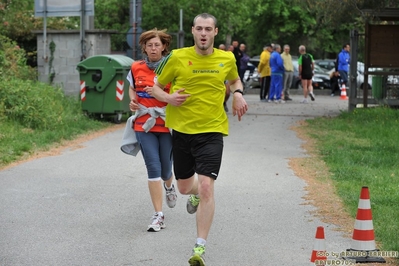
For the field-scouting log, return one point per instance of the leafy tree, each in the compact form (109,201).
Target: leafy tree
(335,19)
(166,15)
(232,16)
(282,22)
(322,25)
(17,21)
(113,14)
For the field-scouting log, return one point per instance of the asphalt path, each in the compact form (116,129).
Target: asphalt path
(90,204)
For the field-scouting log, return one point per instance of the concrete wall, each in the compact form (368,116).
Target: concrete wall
(68,54)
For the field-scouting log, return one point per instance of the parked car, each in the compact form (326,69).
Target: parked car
(329,64)
(393,80)
(251,76)
(251,80)
(325,63)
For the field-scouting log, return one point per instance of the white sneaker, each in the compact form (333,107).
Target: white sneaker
(156,223)
(311,95)
(304,101)
(171,196)
(281,101)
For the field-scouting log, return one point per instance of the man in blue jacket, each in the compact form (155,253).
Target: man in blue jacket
(277,69)
(343,64)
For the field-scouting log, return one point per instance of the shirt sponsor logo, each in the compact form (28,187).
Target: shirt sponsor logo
(204,71)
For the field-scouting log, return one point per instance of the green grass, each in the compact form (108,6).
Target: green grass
(31,122)
(17,141)
(361,148)
(34,115)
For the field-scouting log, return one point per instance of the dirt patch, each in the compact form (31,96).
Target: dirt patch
(321,190)
(57,149)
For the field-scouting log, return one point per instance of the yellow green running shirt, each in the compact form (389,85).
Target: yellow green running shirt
(203,78)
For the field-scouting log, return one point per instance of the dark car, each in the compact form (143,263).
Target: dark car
(251,76)
(327,64)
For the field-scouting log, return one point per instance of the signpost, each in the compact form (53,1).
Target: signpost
(64,8)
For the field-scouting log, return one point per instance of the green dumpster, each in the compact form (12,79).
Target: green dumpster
(104,90)
(377,88)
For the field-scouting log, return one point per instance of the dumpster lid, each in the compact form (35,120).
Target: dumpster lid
(101,61)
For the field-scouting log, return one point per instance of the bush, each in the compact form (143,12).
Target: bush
(24,100)
(32,104)
(13,61)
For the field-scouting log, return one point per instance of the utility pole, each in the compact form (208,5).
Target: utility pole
(180,34)
(135,21)
(83,30)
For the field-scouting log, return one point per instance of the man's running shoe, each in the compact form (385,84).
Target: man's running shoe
(156,224)
(197,258)
(311,95)
(192,204)
(171,196)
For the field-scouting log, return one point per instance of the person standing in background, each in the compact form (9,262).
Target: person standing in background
(277,69)
(343,64)
(155,141)
(334,81)
(243,62)
(264,71)
(237,54)
(305,69)
(288,72)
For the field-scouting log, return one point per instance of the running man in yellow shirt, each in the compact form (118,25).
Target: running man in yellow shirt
(196,115)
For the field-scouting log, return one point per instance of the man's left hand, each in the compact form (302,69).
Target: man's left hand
(240,106)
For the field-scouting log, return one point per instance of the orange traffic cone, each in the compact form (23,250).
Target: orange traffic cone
(363,243)
(343,93)
(319,248)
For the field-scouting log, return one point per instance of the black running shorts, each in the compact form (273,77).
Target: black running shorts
(197,153)
(307,77)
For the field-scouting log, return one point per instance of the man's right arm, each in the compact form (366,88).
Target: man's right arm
(175,99)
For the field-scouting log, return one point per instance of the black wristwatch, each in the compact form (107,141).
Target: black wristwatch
(239,91)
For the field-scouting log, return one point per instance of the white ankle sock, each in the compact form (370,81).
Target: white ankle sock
(201,241)
(166,186)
